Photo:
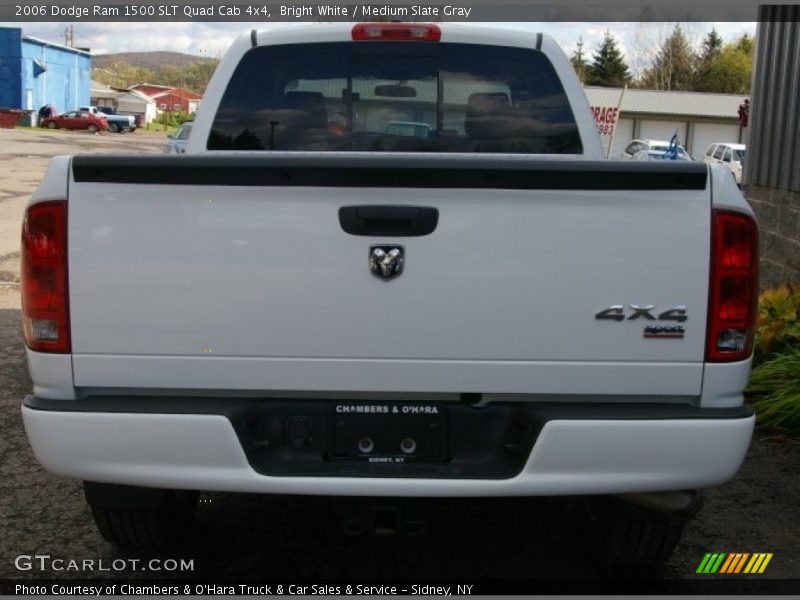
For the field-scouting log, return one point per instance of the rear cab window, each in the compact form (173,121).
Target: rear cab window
(395,97)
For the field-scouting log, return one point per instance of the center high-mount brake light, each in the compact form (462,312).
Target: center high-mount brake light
(733,287)
(43,269)
(397,32)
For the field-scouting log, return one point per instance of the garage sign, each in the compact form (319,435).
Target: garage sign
(605,118)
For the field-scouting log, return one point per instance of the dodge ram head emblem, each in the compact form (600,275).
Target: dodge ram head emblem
(386,262)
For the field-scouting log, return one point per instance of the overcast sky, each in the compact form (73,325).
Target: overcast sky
(637,40)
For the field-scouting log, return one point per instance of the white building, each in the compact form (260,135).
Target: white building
(133,102)
(699,118)
(125,102)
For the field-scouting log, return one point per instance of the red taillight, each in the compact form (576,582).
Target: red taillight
(45,309)
(734,287)
(423,32)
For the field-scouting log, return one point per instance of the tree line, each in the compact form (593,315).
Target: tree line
(193,76)
(715,66)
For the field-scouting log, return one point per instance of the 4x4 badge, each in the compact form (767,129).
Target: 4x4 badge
(386,261)
(678,314)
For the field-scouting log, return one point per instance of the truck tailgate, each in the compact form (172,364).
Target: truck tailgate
(234,273)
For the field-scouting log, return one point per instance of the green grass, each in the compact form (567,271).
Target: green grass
(159,128)
(774,391)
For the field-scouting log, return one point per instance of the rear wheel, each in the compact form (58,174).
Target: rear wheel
(52,125)
(133,517)
(92,128)
(625,534)
(113,127)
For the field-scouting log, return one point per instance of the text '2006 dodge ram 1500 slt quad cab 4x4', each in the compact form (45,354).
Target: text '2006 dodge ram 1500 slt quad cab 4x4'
(392,263)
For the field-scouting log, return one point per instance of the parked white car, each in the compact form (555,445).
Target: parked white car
(659,155)
(729,155)
(635,146)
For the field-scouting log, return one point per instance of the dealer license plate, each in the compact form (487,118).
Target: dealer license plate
(389,432)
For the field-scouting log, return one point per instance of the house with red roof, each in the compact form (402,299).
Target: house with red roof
(170,98)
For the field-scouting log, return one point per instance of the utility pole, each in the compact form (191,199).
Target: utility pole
(180,93)
(69,36)
(580,60)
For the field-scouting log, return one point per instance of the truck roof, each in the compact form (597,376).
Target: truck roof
(466,33)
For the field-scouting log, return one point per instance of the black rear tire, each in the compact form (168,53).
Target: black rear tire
(132,517)
(623,534)
(113,127)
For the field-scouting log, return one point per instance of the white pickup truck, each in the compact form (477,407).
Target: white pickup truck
(116,123)
(392,264)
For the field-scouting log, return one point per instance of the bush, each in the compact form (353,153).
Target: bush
(174,118)
(774,391)
(774,388)
(777,321)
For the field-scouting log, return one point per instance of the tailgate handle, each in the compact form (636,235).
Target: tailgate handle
(389,220)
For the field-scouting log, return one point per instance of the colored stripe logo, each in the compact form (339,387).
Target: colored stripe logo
(730,563)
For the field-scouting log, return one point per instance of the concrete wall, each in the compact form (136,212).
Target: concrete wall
(772,169)
(778,214)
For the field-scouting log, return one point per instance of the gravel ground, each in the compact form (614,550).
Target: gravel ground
(245,536)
